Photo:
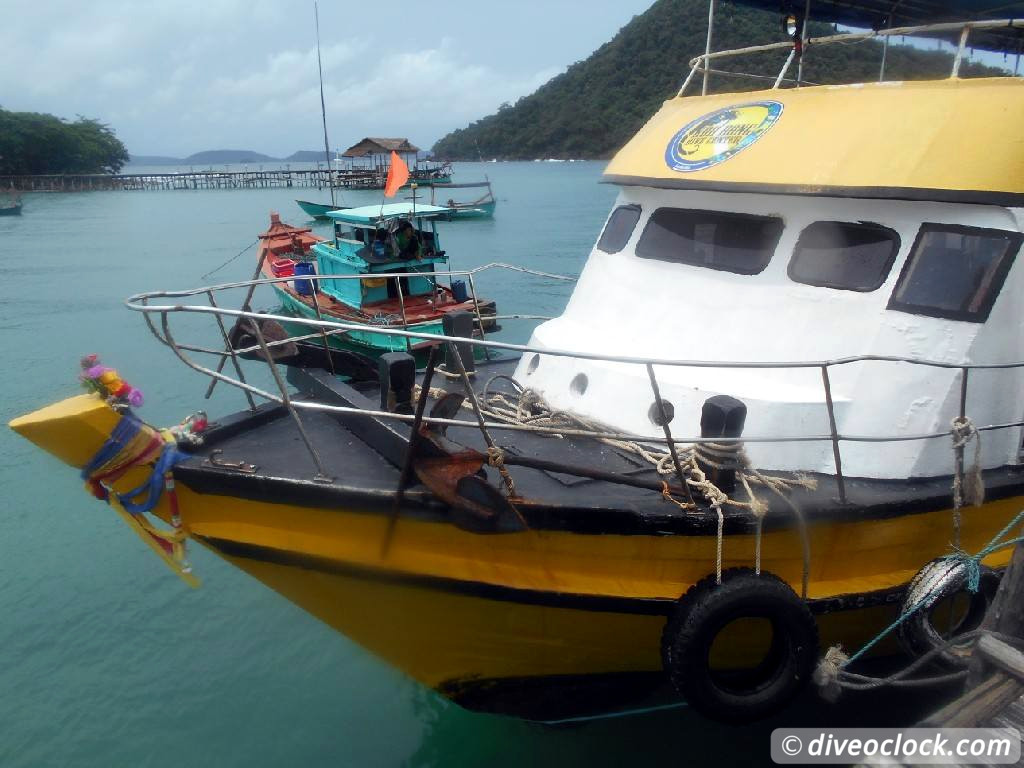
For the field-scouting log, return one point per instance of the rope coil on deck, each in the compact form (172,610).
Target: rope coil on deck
(528,408)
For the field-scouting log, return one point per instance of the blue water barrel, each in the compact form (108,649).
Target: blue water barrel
(304,287)
(459,290)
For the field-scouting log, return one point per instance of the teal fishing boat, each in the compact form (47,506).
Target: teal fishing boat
(383,268)
(480,208)
(318,211)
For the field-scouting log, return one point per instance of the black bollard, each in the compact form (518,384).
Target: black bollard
(397,371)
(459,324)
(721,416)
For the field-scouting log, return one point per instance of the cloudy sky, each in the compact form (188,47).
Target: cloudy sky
(174,78)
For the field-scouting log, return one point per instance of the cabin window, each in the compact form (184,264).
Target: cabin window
(619,228)
(733,242)
(955,272)
(847,256)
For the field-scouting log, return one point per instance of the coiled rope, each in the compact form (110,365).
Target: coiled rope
(528,408)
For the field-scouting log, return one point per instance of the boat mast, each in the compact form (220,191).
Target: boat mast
(707,48)
(323,108)
(803,43)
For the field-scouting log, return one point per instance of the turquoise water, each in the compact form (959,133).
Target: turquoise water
(105,658)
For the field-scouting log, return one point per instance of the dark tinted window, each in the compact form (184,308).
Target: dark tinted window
(835,254)
(734,242)
(619,228)
(955,272)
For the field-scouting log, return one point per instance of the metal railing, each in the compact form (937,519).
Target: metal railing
(702,64)
(324,329)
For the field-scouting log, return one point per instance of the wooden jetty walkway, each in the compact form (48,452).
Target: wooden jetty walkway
(320,178)
(208,179)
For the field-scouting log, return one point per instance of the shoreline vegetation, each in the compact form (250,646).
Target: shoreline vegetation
(597,104)
(34,143)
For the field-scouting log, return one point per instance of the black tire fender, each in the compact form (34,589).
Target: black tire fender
(937,581)
(705,610)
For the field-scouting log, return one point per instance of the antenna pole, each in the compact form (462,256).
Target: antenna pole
(323,108)
(707,47)
(803,43)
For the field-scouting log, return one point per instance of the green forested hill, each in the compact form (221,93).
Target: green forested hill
(594,107)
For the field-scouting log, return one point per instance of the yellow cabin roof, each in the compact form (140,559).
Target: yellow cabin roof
(948,140)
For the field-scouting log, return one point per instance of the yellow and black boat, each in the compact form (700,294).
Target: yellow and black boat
(709,492)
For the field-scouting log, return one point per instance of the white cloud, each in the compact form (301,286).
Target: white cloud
(176,78)
(114,79)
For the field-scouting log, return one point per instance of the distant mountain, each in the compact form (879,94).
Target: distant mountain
(306,156)
(595,106)
(226,156)
(221,156)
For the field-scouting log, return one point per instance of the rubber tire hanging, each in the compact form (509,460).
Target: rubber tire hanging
(700,616)
(945,578)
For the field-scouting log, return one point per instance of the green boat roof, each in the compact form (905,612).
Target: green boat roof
(371,215)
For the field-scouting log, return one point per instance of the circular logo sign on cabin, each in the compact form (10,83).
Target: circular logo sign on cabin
(715,137)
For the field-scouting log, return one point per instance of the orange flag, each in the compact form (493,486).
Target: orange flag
(398,174)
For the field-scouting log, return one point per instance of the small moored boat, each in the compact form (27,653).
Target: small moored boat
(369,276)
(319,211)
(482,207)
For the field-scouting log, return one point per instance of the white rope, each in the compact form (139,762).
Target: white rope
(970,488)
(826,676)
(443,371)
(969,485)
(529,408)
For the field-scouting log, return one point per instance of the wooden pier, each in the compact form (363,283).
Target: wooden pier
(320,178)
(208,179)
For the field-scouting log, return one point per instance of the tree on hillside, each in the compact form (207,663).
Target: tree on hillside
(596,105)
(36,143)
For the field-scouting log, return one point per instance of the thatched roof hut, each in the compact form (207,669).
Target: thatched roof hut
(377,146)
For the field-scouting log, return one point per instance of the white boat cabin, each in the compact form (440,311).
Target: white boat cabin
(772,228)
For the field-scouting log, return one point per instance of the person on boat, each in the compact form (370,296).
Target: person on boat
(408,241)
